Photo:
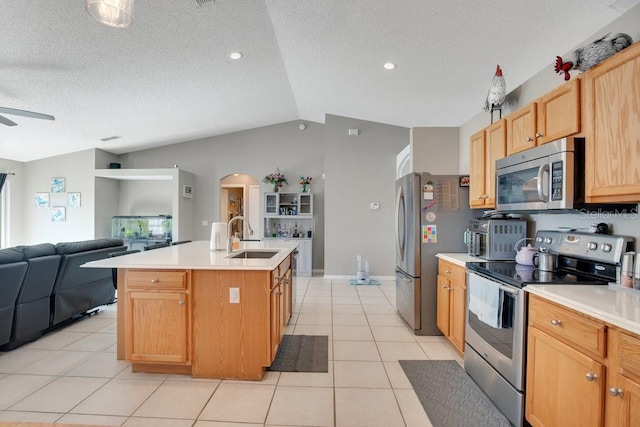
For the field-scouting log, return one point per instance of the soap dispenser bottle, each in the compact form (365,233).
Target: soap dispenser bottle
(235,243)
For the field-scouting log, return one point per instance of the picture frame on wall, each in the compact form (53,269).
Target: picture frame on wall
(73,200)
(58,185)
(58,213)
(187,191)
(42,200)
(464,181)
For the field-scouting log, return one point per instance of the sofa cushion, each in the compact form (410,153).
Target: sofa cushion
(9,255)
(87,245)
(35,251)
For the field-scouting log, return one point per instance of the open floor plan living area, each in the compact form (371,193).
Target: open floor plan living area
(71,375)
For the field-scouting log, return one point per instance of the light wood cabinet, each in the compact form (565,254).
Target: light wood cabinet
(158,313)
(451,302)
(275,317)
(486,147)
(185,321)
(612,129)
(552,116)
(622,407)
(564,386)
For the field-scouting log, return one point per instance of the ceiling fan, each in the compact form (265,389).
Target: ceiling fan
(15,112)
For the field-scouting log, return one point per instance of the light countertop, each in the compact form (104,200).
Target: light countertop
(198,256)
(459,258)
(618,308)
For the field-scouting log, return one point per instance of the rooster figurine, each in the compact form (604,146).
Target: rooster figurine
(586,57)
(497,93)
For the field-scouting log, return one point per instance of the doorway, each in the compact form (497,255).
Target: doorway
(240,196)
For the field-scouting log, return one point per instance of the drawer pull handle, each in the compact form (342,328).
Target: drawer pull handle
(448,271)
(591,377)
(539,135)
(556,322)
(154,280)
(181,302)
(529,139)
(616,392)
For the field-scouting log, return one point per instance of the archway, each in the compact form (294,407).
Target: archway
(240,195)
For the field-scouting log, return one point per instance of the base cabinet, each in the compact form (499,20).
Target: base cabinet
(158,313)
(158,327)
(185,322)
(564,387)
(573,377)
(451,303)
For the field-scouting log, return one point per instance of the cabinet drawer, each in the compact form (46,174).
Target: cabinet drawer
(156,279)
(568,326)
(629,355)
(451,271)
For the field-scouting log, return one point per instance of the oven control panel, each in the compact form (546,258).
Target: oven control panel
(595,247)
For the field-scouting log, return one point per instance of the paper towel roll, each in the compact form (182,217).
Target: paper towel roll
(218,236)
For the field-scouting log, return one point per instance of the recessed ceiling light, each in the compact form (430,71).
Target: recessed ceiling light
(235,55)
(390,66)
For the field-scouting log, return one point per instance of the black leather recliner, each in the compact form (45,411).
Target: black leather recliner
(77,290)
(33,306)
(13,268)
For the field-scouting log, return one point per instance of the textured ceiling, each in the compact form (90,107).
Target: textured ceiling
(168,78)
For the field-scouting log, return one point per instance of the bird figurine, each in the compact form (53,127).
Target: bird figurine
(586,57)
(497,93)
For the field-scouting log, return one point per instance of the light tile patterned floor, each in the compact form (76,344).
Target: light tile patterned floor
(72,376)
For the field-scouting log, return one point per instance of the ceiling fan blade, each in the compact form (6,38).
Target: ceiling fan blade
(7,122)
(26,113)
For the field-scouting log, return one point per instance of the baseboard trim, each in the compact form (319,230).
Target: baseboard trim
(341,277)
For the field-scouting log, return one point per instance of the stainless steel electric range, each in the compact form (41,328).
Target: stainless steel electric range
(495,335)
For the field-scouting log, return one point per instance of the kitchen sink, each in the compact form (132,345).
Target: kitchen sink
(254,254)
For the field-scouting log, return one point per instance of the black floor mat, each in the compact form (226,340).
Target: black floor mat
(449,396)
(302,353)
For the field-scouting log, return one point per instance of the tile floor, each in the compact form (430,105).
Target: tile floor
(72,375)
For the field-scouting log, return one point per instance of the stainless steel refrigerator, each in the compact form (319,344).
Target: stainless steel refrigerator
(432,214)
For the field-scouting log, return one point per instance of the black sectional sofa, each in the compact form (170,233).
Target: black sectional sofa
(43,286)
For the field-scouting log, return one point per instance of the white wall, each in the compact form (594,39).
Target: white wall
(435,150)
(256,152)
(359,170)
(78,171)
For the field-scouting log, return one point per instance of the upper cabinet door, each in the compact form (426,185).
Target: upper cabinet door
(496,148)
(559,113)
(612,128)
(521,129)
(477,170)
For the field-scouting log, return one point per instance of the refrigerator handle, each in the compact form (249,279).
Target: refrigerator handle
(403,275)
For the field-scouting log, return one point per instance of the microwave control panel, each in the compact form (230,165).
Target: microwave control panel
(556,181)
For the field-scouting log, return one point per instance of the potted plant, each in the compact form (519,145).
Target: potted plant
(276,179)
(305,181)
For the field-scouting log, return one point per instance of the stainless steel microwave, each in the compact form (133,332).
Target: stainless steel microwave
(546,177)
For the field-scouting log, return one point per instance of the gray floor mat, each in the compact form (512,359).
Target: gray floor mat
(302,353)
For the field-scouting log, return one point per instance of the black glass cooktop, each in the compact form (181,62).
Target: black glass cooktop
(522,275)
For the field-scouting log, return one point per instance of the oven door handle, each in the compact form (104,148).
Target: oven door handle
(509,290)
(540,184)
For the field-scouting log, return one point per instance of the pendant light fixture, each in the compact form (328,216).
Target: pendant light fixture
(114,13)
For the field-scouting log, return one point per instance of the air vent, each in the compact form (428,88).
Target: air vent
(623,5)
(201,2)
(110,138)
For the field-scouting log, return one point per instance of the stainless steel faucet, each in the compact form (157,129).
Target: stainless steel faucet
(230,237)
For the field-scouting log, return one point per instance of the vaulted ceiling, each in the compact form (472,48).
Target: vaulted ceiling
(168,78)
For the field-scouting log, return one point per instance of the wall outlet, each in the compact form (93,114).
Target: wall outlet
(374,206)
(205,223)
(234,295)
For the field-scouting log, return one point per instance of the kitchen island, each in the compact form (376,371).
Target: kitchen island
(189,310)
